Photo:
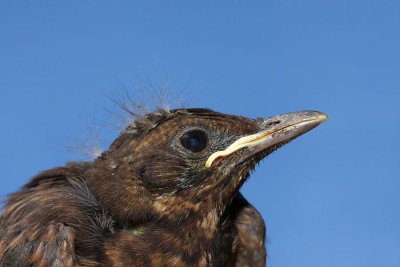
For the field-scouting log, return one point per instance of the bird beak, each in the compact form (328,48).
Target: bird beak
(273,131)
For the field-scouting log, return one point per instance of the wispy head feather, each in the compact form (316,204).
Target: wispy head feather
(134,116)
(142,112)
(89,143)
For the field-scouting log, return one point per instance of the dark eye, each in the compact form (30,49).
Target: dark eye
(194,140)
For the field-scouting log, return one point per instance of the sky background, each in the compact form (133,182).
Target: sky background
(330,198)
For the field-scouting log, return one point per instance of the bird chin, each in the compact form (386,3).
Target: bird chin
(243,163)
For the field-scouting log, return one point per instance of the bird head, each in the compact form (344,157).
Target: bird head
(176,163)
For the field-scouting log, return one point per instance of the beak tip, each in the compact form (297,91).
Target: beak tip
(323,117)
(316,116)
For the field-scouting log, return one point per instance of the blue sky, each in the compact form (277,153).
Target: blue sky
(330,198)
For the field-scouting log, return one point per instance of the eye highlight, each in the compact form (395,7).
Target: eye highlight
(194,140)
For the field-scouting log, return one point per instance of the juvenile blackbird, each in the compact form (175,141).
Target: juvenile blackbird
(166,193)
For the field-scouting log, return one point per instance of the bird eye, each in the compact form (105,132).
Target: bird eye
(194,140)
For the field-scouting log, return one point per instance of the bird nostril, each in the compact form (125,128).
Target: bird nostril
(271,123)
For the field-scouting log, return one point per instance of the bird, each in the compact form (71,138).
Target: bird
(165,193)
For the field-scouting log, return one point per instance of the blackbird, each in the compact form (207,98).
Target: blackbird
(166,193)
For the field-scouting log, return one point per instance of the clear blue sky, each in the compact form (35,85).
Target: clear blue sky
(330,198)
